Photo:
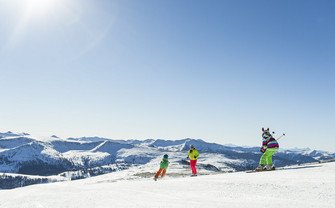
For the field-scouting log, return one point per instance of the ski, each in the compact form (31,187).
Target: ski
(255,171)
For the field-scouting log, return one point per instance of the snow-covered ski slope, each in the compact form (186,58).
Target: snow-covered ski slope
(298,187)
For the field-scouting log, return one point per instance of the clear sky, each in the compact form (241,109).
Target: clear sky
(217,70)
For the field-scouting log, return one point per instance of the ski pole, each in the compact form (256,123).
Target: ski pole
(280,137)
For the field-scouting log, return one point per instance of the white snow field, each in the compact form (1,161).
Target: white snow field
(298,187)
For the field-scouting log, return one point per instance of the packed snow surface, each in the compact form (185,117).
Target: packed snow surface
(298,187)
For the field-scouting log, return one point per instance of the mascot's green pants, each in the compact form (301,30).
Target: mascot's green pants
(267,156)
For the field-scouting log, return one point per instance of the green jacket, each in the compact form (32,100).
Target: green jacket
(164,163)
(193,155)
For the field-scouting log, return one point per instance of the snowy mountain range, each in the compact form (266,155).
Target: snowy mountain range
(55,159)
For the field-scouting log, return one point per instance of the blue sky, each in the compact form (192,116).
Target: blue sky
(212,70)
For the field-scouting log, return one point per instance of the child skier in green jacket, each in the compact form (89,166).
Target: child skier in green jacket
(163,166)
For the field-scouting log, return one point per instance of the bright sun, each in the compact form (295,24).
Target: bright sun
(41,7)
(26,14)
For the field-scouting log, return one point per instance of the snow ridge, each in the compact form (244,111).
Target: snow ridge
(21,154)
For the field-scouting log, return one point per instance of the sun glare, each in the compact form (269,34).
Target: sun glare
(25,15)
(41,7)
